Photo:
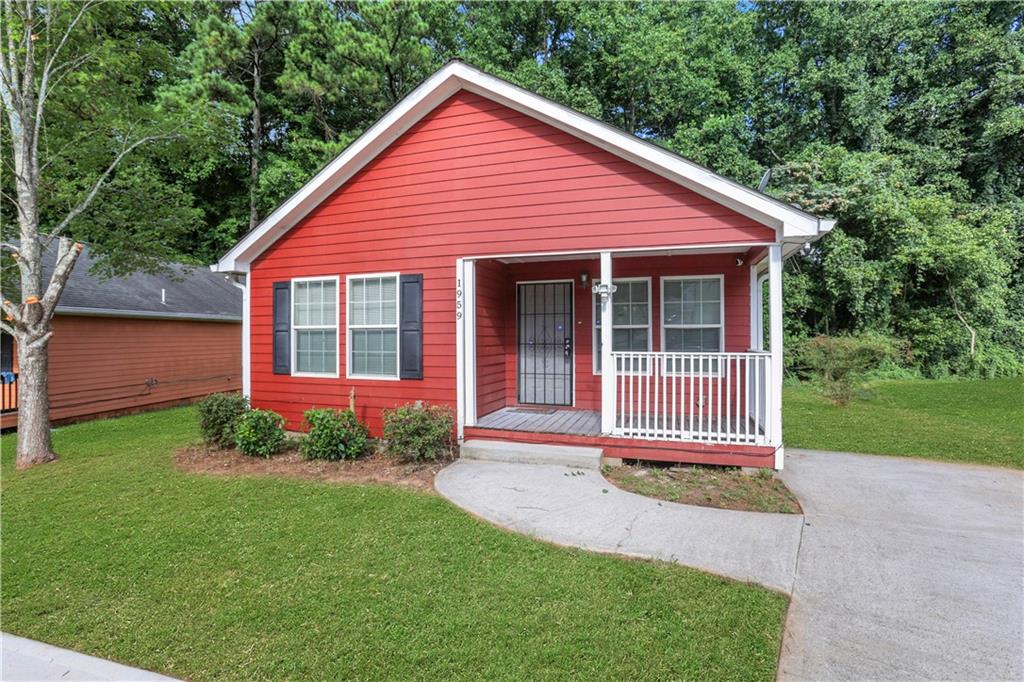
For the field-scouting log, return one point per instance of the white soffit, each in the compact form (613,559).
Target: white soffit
(789,222)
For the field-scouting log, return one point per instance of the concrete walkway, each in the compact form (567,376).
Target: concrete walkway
(900,568)
(27,659)
(580,508)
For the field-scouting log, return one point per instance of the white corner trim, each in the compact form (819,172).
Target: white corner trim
(788,221)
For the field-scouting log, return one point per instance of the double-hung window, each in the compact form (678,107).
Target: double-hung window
(691,315)
(631,318)
(315,326)
(372,323)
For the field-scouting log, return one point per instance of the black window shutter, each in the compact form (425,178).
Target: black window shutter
(410,327)
(282,327)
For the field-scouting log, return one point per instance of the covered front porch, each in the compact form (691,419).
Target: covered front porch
(690,376)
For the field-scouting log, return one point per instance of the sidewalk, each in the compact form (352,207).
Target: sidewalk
(27,659)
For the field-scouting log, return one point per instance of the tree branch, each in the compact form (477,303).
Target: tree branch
(11,309)
(48,65)
(5,328)
(67,256)
(84,204)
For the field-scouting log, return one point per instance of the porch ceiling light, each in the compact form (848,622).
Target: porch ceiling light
(604,291)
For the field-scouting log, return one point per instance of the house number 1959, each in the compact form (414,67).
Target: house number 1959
(458,298)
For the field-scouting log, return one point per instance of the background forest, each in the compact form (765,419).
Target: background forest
(905,121)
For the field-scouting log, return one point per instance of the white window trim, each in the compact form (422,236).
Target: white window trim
(596,331)
(295,329)
(396,326)
(721,313)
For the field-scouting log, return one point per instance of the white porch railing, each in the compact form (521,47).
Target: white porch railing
(702,397)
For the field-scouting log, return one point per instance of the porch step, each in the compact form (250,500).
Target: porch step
(531,453)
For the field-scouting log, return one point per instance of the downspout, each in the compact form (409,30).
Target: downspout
(242,282)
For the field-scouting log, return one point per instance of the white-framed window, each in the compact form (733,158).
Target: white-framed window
(631,317)
(693,315)
(315,326)
(372,322)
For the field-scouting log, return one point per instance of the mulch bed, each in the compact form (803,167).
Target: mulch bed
(375,468)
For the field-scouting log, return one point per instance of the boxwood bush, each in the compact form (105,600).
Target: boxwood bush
(334,435)
(259,433)
(416,433)
(218,414)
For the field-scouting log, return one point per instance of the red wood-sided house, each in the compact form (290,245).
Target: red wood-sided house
(553,279)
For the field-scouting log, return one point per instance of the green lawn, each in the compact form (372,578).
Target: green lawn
(113,552)
(978,421)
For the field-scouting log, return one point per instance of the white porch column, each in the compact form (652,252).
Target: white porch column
(469,279)
(775,329)
(460,348)
(756,321)
(607,366)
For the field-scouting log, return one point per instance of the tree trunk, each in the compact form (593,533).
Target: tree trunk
(255,142)
(34,443)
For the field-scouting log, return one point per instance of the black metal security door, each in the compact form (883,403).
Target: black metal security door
(545,343)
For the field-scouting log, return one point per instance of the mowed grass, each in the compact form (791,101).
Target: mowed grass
(979,421)
(113,552)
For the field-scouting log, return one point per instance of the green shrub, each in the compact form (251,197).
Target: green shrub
(416,433)
(218,414)
(259,433)
(334,435)
(837,362)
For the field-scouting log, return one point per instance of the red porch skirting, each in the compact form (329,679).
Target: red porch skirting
(722,454)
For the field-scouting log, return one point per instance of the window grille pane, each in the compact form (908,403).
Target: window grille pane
(673,292)
(375,352)
(316,351)
(620,314)
(711,313)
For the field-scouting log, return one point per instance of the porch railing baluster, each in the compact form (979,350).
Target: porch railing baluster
(703,397)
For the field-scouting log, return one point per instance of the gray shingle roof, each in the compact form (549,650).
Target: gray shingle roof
(192,292)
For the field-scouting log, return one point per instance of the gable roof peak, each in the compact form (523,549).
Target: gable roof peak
(789,222)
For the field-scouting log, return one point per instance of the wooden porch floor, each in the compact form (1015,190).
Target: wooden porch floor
(588,423)
(543,420)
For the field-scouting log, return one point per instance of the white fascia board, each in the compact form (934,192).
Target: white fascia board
(788,222)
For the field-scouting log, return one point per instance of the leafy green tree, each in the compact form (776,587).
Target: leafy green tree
(78,108)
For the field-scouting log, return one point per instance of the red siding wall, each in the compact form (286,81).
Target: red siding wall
(492,349)
(471,178)
(101,365)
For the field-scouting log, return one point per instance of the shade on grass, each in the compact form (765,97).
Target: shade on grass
(113,552)
(980,421)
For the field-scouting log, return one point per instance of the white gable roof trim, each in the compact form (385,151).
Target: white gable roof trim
(790,223)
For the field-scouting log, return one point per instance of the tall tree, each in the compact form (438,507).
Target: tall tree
(51,55)
(235,60)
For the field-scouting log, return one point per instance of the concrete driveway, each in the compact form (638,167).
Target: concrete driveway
(899,569)
(908,569)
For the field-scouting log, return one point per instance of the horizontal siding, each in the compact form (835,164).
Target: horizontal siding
(472,178)
(102,364)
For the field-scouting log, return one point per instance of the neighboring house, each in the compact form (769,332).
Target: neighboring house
(141,341)
(553,279)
